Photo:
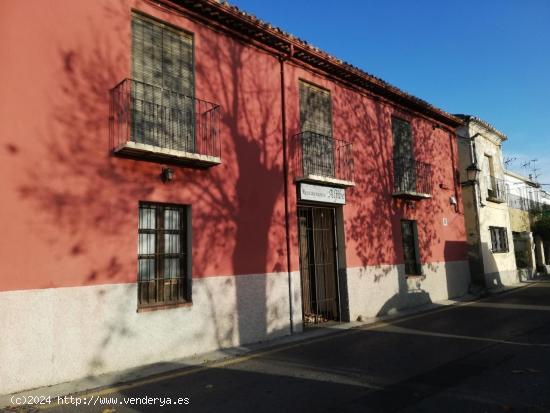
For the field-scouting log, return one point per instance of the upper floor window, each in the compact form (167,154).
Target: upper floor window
(155,115)
(403,156)
(162,255)
(318,155)
(316,130)
(315,109)
(411,178)
(402,139)
(488,165)
(496,187)
(162,67)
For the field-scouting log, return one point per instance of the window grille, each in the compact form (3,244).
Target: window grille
(499,239)
(404,166)
(162,266)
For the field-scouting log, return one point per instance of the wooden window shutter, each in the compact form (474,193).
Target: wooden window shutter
(402,139)
(315,110)
(316,127)
(163,91)
(404,165)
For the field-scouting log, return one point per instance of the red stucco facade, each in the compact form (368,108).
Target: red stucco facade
(68,209)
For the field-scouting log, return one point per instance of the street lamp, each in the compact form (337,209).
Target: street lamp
(472,173)
(167,174)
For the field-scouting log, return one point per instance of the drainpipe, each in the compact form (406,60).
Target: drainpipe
(285,186)
(457,207)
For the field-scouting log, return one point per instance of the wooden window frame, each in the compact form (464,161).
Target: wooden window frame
(160,284)
(499,240)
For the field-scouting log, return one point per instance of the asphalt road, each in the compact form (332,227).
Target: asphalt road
(491,355)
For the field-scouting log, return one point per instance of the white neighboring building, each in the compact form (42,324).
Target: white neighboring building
(523,200)
(542,250)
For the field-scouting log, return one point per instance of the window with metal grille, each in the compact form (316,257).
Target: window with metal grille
(409,232)
(316,127)
(404,165)
(499,239)
(163,88)
(162,257)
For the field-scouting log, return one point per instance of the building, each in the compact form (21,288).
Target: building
(523,203)
(542,247)
(490,247)
(180,177)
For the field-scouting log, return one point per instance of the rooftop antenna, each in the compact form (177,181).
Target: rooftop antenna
(508,161)
(533,171)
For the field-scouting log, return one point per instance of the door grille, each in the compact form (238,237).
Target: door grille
(318,266)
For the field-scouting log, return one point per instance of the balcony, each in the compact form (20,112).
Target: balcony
(523,203)
(160,125)
(496,190)
(412,179)
(323,159)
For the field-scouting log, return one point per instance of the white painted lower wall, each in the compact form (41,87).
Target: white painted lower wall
(503,278)
(378,290)
(526,274)
(56,335)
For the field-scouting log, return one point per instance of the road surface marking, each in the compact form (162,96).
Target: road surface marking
(241,359)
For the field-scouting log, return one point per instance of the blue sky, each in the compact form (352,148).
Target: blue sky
(490,58)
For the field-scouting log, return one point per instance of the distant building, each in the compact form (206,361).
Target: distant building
(542,247)
(523,202)
(490,240)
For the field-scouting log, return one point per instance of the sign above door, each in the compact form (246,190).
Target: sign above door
(325,194)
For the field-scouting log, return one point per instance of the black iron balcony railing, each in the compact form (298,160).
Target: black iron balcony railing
(526,204)
(323,158)
(412,179)
(521,202)
(159,124)
(496,189)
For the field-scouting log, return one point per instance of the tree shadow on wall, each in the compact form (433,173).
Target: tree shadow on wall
(492,274)
(85,194)
(374,230)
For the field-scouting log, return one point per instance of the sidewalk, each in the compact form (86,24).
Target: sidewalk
(205,360)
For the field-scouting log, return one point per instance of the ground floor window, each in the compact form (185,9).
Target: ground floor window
(162,254)
(409,232)
(499,239)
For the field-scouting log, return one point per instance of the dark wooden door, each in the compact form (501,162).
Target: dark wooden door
(318,266)
(409,232)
